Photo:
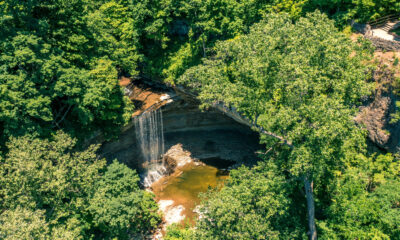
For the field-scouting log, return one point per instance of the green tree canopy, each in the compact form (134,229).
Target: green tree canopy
(365,201)
(70,193)
(362,10)
(23,224)
(254,204)
(299,81)
(299,84)
(53,75)
(119,207)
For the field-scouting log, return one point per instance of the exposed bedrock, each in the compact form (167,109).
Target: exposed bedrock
(377,114)
(205,134)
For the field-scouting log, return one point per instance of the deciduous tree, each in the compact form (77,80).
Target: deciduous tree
(298,81)
(68,193)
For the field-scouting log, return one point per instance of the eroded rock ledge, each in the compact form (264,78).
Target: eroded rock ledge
(205,134)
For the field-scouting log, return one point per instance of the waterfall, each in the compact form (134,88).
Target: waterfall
(150,137)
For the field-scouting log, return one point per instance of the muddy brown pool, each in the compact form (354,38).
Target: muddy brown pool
(183,187)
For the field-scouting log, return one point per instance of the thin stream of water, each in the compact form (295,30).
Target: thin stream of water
(150,136)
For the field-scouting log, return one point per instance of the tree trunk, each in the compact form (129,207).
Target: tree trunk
(308,186)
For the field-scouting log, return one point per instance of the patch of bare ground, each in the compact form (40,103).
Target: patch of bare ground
(355,36)
(124,81)
(389,59)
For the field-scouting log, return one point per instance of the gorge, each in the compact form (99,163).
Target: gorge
(206,134)
(199,120)
(179,149)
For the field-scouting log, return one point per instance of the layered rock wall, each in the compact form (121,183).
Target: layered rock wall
(205,134)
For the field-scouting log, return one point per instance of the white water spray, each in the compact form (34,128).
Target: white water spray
(150,136)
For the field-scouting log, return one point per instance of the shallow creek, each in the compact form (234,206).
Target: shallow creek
(178,194)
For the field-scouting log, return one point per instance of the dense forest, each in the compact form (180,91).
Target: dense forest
(289,66)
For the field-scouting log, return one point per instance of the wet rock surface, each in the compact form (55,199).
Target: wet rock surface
(176,157)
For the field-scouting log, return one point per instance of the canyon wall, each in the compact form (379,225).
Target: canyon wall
(206,134)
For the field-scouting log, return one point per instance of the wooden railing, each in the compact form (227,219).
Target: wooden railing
(383,20)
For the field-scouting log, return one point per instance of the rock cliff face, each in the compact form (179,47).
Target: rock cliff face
(376,114)
(205,134)
(208,134)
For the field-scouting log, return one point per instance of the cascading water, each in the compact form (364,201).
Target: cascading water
(150,136)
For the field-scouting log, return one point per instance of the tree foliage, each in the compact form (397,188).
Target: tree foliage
(297,79)
(47,46)
(360,10)
(299,82)
(365,201)
(70,193)
(168,36)
(23,224)
(119,207)
(176,232)
(254,204)
(53,75)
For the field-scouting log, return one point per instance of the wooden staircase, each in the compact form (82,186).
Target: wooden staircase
(391,25)
(386,23)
